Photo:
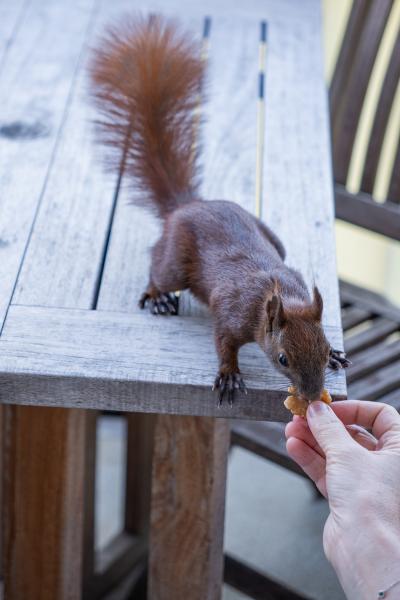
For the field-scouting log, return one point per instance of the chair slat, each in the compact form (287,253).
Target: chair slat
(380,329)
(377,304)
(376,385)
(358,14)
(354,316)
(360,209)
(254,584)
(266,439)
(394,186)
(380,122)
(371,359)
(352,95)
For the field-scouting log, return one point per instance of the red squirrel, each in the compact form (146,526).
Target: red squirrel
(146,76)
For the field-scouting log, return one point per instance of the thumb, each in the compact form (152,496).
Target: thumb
(327,429)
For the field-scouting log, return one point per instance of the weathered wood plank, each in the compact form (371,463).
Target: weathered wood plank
(133,232)
(63,262)
(298,199)
(188,506)
(229,133)
(11,15)
(35,88)
(43,546)
(130,355)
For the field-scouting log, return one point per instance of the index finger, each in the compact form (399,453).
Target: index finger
(378,417)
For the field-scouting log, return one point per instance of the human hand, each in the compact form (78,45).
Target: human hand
(359,474)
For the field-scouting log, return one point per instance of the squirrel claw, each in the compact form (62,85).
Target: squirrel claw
(227,385)
(143,300)
(162,304)
(338,359)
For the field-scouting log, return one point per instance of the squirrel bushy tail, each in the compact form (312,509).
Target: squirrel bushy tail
(146,77)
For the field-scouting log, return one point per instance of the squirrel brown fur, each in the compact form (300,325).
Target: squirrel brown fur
(147,75)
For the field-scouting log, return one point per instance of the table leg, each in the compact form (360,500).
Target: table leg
(139,455)
(187,510)
(88,567)
(43,502)
(1,491)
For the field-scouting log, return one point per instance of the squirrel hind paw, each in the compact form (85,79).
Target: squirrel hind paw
(161,304)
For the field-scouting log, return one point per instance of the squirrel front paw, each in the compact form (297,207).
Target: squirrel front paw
(161,303)
(227,384)
(338,360)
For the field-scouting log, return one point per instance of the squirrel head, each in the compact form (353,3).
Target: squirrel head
(296,342)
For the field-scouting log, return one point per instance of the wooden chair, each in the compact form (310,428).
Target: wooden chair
(371,324)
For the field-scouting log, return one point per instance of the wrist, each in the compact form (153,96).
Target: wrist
(367,560)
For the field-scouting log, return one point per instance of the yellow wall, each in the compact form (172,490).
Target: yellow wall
(365,258)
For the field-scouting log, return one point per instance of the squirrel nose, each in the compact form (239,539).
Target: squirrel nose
(311,394)
(313,397)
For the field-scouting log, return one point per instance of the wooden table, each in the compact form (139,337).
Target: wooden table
(73,260)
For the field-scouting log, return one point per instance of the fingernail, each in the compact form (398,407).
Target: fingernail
(317,408)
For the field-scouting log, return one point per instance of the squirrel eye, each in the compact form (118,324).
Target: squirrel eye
(283,359)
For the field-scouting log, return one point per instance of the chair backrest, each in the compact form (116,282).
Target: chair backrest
(357,55)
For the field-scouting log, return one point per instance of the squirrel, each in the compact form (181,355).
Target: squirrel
(146,76)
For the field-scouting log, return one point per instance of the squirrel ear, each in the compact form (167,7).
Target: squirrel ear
(275,314)
(318,304)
